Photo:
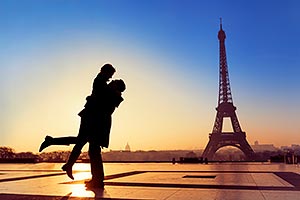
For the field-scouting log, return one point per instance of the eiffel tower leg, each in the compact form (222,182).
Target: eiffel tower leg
(246,148)
(210,149)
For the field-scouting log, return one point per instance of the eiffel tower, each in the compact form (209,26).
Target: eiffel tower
(226,109)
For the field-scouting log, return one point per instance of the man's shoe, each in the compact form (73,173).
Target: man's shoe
(87,181)
(68,170)
(47,142)
(94,184)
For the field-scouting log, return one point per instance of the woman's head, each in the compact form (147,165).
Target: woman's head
(118,84)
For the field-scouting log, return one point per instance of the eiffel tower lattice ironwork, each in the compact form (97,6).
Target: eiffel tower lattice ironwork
(226,109)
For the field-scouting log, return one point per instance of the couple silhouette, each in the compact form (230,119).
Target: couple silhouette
(95,125)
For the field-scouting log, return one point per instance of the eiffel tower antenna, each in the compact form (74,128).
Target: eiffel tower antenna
(226,109)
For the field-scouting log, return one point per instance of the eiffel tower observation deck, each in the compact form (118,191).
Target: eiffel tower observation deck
(225,109)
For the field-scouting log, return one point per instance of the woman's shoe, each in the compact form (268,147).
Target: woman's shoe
(47,142)
(68,170)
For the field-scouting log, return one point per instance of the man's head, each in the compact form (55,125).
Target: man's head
(107,71)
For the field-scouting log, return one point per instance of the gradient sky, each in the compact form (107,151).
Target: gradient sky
(167,53)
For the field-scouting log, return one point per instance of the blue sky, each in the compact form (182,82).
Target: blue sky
(167,53)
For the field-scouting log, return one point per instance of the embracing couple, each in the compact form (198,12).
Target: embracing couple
(95,125)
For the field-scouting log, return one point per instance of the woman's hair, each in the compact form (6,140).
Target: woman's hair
(120,85)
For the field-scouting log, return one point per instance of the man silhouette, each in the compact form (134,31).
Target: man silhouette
(95,125)
(90,127)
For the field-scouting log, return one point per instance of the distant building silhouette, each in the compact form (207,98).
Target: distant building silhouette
(191,154)
(127,147)
(293,147)
(263,147)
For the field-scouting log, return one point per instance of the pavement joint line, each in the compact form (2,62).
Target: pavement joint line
(161,171)
(108,177)
(9,196)
(120,175)
(39,170)
(31,177)
(212,171)
(202,186)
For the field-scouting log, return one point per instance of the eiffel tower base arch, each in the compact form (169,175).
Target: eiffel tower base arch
(219,140)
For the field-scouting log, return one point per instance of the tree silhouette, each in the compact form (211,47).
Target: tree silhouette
(7,152)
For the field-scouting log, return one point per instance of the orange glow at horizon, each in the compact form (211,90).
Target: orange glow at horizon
(162,110)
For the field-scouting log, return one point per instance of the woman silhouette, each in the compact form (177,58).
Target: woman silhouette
(94,128)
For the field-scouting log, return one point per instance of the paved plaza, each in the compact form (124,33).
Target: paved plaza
(258,181)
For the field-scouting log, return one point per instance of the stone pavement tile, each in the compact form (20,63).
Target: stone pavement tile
(191,194)
(126,193)
(165,177)
(269,179)
(281,195)
(290,177)
(43,186)
(244,179)
(151,193)
(234,179)
(239,195)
